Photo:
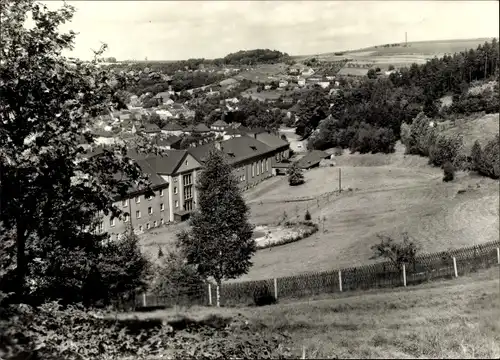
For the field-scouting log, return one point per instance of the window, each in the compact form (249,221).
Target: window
(162,207)
(148,226)
(187,179)
(149,197)
(100,227)
(140,227)
(161,192)
(125,218)
(155,223)
(186,162)
(188,192)
(125,203)
(150,210)
(162,221)
(253,170)
(258,167)
(138,214)
(175,190)
(262,166)
(112,222)
(137,199)
(176,203)
(267,165)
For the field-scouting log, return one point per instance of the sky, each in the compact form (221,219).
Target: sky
(175,30)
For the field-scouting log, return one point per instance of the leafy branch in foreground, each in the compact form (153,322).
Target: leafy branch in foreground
(51,193)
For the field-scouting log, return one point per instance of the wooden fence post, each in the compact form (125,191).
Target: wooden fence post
(498,255)
(340,280)
(276,288)
(217,291)
(144,302)
(209,295)
(455,266)
(404,275)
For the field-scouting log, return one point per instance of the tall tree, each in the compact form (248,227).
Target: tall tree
(50,193)
(219,242)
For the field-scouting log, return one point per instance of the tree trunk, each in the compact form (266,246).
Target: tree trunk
(217,292)
(20,258)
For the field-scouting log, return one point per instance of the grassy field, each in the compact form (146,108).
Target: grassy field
(416,52)
(457,318)
(482,128)
(390,194)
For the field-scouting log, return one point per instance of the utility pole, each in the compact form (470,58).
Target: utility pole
(406,38)
(340,180)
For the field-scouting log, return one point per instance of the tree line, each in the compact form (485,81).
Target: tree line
(367,116)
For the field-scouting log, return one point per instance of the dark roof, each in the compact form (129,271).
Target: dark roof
(257,130)
(273,141)
(166,141)
(232,131)
(166,164)
(220,123)
(312,158)
(201,128)
(172,127)
(148,127)
(238,149)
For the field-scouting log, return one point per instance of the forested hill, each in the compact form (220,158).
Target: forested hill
(367,114)
(254,57)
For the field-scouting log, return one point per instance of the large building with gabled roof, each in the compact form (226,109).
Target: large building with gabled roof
(173,175)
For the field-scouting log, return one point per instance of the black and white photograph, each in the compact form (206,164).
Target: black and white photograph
(249,179)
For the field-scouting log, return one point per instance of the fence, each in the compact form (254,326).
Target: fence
(428,267)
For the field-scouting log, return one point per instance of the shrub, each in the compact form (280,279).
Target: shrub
(446,149)
(488,160)
(449,172)
(42,333)
(398,254)
(295,176)
(262,296)
(178,281)
(307,217)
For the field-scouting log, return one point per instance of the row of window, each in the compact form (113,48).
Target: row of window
(138,214)
(141,227)
(187,180)
(138,198)
(259,166)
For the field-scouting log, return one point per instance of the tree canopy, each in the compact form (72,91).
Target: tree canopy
(51,194)
(219,242)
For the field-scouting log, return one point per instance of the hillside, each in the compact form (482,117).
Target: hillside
(446,319)
(415,52)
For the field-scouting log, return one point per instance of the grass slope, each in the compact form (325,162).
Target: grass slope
(448,319)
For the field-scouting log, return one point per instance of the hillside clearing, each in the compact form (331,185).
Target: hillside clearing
(447,319)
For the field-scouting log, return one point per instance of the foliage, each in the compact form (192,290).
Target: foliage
(487,161)
(295,175)
(312,110)
(389,102)
(398,253)
(219,243)
(47,102)
(254,57)
(446,148)
(51,332)
(263,296)
(307,216)
(448,171)
(177,280)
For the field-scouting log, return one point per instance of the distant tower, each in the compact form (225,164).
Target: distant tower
(406,38)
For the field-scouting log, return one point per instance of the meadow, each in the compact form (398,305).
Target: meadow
(456,318)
